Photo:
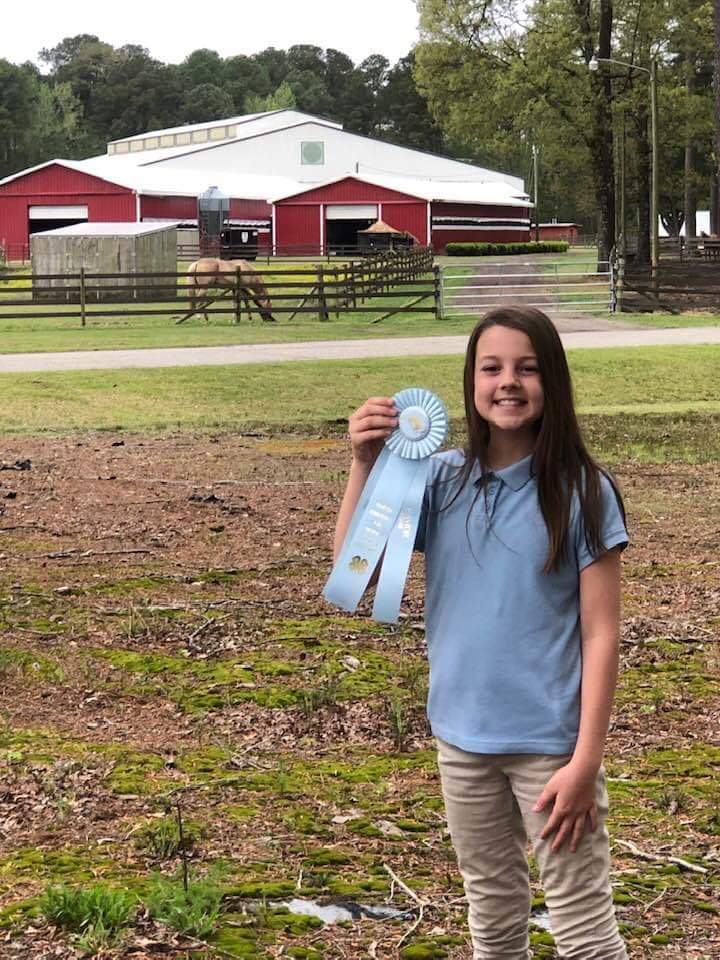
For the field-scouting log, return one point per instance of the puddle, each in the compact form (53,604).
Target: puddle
(344,910)
(541,919)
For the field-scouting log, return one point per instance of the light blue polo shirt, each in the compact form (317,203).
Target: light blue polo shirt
(503,636)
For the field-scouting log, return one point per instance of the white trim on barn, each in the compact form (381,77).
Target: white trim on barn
(475,226)
(59,212)
(351,211)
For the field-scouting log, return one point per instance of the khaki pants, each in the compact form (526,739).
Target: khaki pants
(489,800)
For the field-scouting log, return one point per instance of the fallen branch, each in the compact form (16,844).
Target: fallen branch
(62,554)
(656,900)
(644,855)
(413,896)
(203,626)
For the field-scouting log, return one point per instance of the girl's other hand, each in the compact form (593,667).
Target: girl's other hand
(370,426)
(571,790)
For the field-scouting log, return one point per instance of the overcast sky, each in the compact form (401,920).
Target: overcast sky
(171,31)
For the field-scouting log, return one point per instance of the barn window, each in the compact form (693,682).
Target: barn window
(199,136)
(151,143)
(121,147)
(136,146)
(312,152)
(167,140)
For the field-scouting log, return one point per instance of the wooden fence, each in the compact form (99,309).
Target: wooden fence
(406,280)
(678,285)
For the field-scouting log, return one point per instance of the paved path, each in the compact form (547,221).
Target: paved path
(323,350)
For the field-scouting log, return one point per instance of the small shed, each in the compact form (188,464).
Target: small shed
(381,236)
(559,231)
(124,253)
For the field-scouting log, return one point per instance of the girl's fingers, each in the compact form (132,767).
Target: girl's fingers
(372,435)
(578,831)
(383,406)
(562,835)
(374,423)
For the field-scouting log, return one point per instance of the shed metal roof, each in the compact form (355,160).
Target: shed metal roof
(108,229)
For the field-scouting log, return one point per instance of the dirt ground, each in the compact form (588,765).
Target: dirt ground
(164,644)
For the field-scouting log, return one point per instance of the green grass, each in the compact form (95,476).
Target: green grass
(638,380)
(119,333)
(63,332)
(663,320)
(28,334)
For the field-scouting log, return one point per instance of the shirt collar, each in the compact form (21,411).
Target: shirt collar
(515,476)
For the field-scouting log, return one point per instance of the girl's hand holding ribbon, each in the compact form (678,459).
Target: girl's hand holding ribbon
(392,441)
(370,426)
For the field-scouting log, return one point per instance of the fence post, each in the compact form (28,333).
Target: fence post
(335,281)
(437,292)
(238,312)
(82,296)
(322,298)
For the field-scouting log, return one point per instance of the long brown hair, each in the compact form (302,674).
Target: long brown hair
(561,462)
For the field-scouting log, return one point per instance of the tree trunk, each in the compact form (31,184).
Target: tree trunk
(690,205)
(602,138)
(715,227)
(642,121)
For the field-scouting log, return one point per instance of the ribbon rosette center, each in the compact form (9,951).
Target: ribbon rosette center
(386,518)
(414,423)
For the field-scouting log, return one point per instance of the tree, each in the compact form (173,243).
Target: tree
(402,112)
(275,64)
(206,102)
(203,67)
(282,99)
(245,77)
(502,72)
(139,94)
(19,97)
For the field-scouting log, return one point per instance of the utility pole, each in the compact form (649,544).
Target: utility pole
(655,205)
(535,191)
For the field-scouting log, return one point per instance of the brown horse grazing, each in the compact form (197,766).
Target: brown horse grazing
(212,272)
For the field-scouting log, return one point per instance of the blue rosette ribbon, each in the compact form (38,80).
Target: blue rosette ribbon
(385,522)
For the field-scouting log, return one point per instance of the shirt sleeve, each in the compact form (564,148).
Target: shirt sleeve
(613,532)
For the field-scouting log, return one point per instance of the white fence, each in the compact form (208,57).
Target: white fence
(563,286)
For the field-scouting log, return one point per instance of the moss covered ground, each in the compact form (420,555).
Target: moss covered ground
(167,664)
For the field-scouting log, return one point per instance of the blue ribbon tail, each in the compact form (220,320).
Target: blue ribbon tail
(399,548)
(375,517)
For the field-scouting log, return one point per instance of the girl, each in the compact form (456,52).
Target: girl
(522,533)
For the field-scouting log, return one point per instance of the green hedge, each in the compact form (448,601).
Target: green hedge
(504,249)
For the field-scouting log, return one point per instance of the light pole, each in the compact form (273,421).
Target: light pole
(593,67)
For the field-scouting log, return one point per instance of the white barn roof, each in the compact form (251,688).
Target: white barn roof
(257,159)
(442,191)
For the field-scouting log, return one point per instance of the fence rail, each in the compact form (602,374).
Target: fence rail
(547,285)
(395,276)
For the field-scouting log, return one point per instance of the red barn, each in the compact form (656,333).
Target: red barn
(325,182)
(331,214)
